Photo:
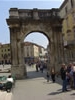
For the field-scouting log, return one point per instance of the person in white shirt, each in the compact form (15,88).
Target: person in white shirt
(10,79)
(9,83)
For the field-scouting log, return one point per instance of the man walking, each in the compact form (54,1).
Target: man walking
(63,72)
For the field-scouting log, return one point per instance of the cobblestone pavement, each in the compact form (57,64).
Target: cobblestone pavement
(35,87)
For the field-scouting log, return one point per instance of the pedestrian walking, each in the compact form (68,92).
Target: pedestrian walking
(41,67)
(63,72)
(53,74)
(47,76)
(37,66)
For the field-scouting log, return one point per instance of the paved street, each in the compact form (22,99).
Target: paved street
(35,87)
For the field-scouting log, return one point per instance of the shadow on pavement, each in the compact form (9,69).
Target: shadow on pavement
(55,93)
(73,94)
(34,74)
(58,92)
(48,82)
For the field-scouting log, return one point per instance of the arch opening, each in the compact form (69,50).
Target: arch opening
(39,38)
(35,52)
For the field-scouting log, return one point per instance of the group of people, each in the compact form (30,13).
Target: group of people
(67,73)
(41,66)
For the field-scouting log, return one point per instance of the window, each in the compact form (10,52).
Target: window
(27,54)
(8,49)
(2,50)
(2,55)
(5,56)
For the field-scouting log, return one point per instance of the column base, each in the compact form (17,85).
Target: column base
(19,71)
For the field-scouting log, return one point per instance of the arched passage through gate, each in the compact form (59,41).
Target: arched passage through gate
(33,56)
(35,32)
(39,40)
(23,22)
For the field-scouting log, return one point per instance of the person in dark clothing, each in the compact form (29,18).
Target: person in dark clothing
(70,75)
(41,67)
(63,72)
(37,67)
(53,74)
(47,76)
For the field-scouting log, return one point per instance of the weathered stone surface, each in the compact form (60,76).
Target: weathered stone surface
(24,21)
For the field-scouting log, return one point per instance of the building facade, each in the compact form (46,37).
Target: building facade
(42,54)
(5,54)
(67,12)
(32,52)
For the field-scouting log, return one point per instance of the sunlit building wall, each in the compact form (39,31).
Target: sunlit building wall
(5,54)
(67,12)
(31,52)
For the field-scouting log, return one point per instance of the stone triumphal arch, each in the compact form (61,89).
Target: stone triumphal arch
(21,22)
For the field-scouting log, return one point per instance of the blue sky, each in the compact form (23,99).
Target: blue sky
(5,5)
